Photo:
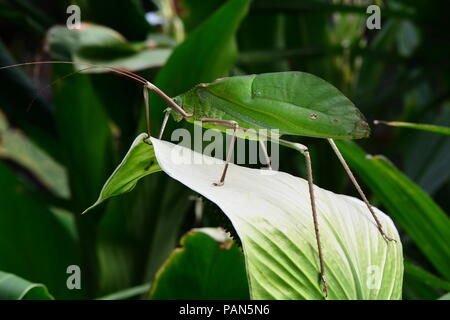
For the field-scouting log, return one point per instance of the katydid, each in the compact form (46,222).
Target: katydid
(294,103)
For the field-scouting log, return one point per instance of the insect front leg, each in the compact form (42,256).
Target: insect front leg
(360,191)
(226,123)
(172,104)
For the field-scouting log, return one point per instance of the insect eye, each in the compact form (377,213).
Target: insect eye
(177,100)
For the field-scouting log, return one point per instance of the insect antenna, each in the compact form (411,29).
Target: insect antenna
(40,90)
(122,72)
(119,71)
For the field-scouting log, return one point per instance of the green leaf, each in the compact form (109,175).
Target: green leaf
(209,265)
(139,162)
(128,293)
(417,126)
(15,146)
(445,296)
(272,216)
(16,95)
(139,230)
(34,243)
(424,221)
(99,45)
(132,229)
(426,277)
(427,153)
(13,287)
(197,11)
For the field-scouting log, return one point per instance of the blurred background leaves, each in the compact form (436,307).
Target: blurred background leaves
(56,154)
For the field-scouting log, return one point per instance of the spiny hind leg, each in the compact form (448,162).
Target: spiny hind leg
(360,191)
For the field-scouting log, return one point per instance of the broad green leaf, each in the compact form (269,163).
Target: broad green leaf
(417,126)
(207,266)
(426,277)
(272,216)
(13,287)
(197,11)
(15,146)
(34,243)
(427,154)
(138,162)
(99,45)
(416,289)
(424,221)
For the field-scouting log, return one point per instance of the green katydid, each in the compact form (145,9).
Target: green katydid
(294,103)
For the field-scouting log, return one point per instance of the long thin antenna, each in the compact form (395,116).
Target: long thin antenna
(112,69)
(52,83)
(147,84)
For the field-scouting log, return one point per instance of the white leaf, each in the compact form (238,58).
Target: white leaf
(272,216)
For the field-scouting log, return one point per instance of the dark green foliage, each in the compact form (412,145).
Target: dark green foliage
(216,271)
(86,123)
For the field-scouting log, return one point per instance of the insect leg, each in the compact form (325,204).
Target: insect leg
(147,112)
(235,126)
(266,155)
(360,191)
(171,103)
(304,150)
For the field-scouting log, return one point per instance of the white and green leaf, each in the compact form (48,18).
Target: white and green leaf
(138,162)
(272,216)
